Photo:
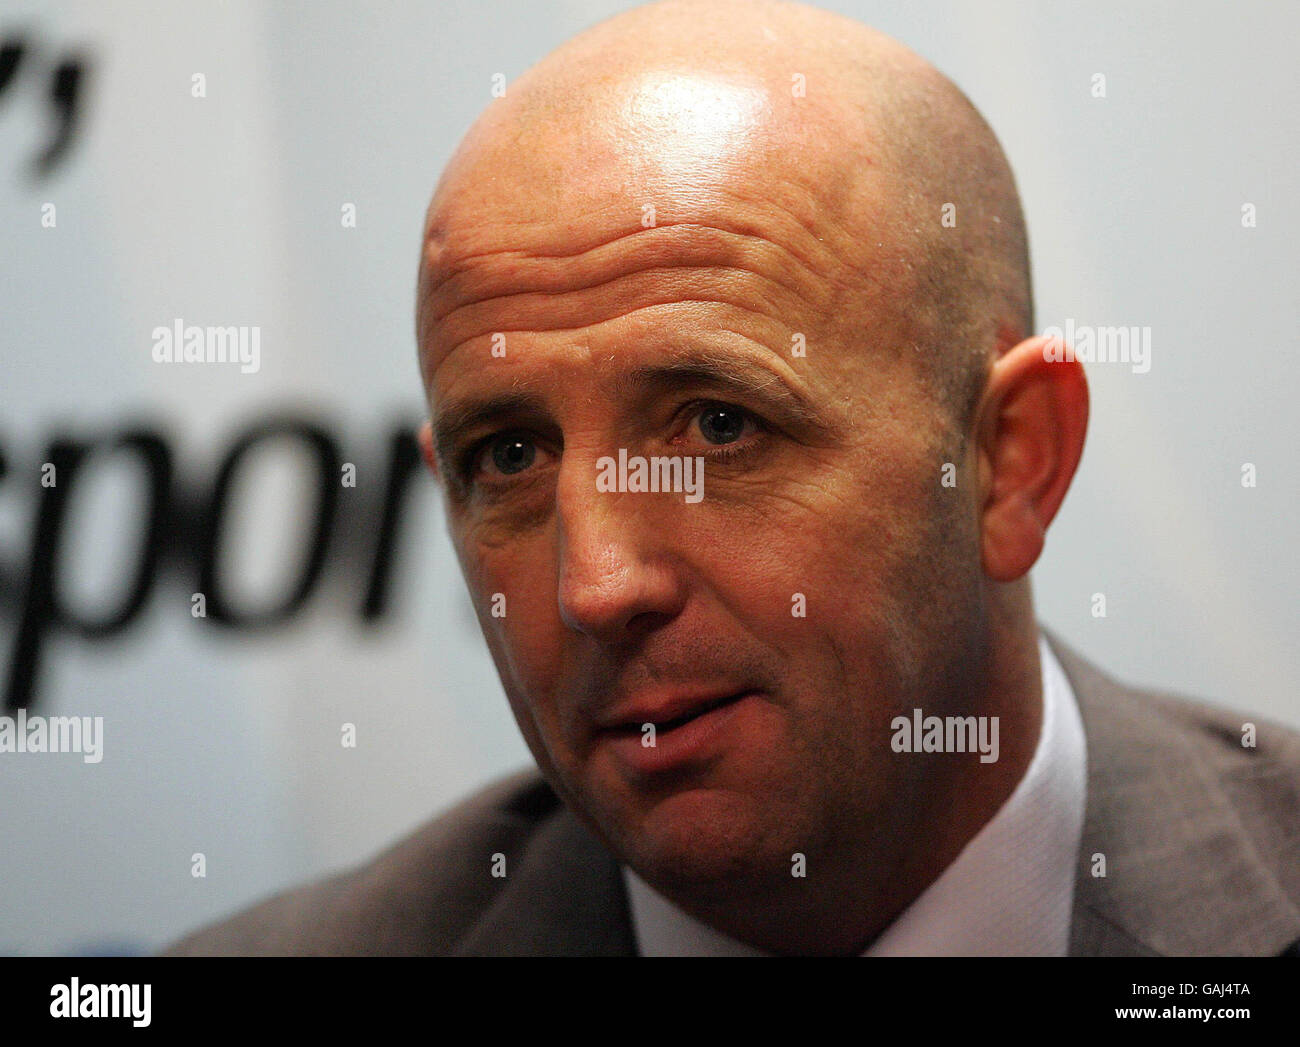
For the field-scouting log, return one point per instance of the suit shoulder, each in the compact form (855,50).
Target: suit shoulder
(1183,776)
(416,898)
(1150,725)
(1253,764)
(1230,742)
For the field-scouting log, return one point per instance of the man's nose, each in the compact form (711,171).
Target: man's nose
(618,574)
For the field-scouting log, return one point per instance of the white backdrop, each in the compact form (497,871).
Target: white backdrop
(226,209)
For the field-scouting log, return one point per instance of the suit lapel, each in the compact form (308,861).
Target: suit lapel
(1182,876)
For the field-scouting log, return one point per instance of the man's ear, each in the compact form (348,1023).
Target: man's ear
(426,448)
(1029,431)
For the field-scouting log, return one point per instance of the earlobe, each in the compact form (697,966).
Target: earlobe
(1030,429)
(425,440)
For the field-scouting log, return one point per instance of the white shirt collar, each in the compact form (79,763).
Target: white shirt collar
(1009,893)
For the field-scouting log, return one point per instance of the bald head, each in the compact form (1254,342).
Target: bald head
(896,201)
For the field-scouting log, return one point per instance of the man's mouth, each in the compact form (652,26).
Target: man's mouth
(667,718)
(684,732)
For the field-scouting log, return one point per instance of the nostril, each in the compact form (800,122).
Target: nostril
(647,621)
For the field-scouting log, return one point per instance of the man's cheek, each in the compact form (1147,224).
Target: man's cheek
(526,633)
(500,576)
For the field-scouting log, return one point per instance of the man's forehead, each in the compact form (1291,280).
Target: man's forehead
(669,169)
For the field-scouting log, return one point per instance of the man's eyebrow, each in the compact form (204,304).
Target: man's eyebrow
(729,371)
(462,416)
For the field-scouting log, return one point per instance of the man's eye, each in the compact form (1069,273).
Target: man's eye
(723,424)
(508,454)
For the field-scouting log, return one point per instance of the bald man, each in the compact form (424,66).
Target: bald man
(747,447)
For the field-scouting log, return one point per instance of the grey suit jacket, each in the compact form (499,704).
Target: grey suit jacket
(1201,838)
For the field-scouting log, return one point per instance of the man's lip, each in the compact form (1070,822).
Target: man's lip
(666,708)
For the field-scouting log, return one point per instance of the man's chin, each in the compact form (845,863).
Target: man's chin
(701,838)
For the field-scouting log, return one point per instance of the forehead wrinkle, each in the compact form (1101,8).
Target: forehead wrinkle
(471,279)
(586,329)
(461,232)
(553,314)
(548,311)
(449,243)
